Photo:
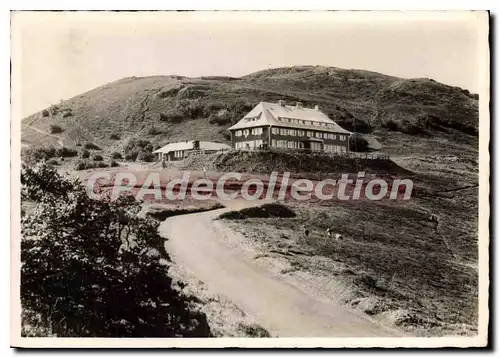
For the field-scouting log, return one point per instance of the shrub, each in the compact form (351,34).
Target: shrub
(53,162)
(45,113)
(263,211)
(78,144)
(154,131)
(113,163)
(101,165)
(66,152)
(116,155)
(85,154)
(139,149)
(102,268)
(131,156)
(34,155)
(54,110)
(114,136)
(90,145)
(81,165)
(146,157)
(358,144)
(97,157)
(225,134)
(67,113)
(220,120)
(137,144)
(232,215)
(54,129)
(391,125)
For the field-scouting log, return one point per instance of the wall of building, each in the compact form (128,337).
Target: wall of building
(334,142)
(259,135)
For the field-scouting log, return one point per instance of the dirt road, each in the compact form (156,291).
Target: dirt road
(281,308)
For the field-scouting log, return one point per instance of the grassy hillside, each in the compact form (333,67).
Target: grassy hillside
(170,108)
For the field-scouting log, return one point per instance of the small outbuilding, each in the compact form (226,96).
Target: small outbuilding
(180,150)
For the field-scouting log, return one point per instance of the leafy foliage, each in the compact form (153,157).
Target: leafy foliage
(93,268)
(66,152)
(85,154)
(90,145)
(358,143)
(35,155)
(54,129)
(139,149)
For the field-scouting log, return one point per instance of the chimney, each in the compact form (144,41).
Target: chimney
(298,105)
(281,103)
(316,107)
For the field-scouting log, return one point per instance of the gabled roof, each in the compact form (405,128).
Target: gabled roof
(189,145)
(279,115)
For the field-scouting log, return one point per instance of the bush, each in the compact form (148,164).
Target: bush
(264,211)
(54,110)
(54,129)
(391,125)
(81,165)
(114,136)
(139,149)
(358,144)
(53,162)
(67,113)
(66,152)
(97,157)
(90,145)
(34,155)
(113,163)
(116,155)
(45,113)
(101,264)
(226,135)
(220,119)
(85,154)
(146,157)
(132,156)
(138,144)
(232,215)
(154,131)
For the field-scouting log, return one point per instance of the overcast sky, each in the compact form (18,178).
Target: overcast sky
(60,55)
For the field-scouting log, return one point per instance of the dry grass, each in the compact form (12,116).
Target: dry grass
(390,255)
(172,108)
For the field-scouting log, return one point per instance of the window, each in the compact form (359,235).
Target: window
(325,135)
(273,143)
(315,146)
(318,135)
(310,134)
(256,131)
(275,130)
(334,136)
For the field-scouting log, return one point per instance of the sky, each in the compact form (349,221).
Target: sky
(60,55)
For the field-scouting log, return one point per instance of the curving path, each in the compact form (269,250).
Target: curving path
(284,310)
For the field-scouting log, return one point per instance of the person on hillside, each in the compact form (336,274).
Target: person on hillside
(306,231)
(204,172)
